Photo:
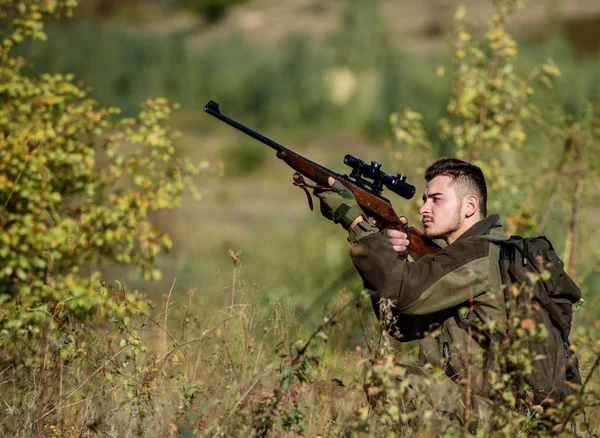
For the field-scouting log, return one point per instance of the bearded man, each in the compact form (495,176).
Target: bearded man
(437,298)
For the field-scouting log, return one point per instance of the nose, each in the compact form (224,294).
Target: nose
(424,209)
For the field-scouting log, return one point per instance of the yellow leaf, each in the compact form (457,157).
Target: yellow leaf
(551,70)
(494,35)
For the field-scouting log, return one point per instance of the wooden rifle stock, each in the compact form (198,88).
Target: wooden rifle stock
(373,205)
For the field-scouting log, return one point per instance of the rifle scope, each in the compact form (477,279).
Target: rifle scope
(396,184)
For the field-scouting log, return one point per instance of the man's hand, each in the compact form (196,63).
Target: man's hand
(399,239)
(339,204)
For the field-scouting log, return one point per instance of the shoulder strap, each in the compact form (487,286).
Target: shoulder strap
(490,238)
(513,240)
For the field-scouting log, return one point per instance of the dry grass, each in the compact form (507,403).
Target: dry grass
(179,368)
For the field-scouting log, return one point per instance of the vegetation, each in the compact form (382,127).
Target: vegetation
(497,117)
(323,79)
(82,187)
(77,186)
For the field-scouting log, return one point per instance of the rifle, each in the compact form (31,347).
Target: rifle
(367,193)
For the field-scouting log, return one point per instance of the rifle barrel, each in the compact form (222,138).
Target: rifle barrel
(212,108)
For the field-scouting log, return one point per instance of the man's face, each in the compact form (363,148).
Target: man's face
(442,209)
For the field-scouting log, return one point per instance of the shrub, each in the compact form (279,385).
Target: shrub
(500,116)
(77,186)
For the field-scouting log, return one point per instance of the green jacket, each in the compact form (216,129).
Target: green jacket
(442,294)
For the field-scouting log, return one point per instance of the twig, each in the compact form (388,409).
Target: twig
(589,376)
(100,368)
(469,373)
(5,369)
(38,425)
(328,322)
(28,158)
(468,388)
(549,206)
(156,322)
(235,257)
(572,243)
(362,326)
(574,229)
(166,317)
(235,373)
(581,392)
(301,352)
(232,292)
(61,405)
(259,350)
(241,399)
(198,354)
(327,292)
(483,109)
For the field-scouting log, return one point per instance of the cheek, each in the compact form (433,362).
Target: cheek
(439,208)
(444,212)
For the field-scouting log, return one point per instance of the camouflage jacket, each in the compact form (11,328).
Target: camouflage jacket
(441,294)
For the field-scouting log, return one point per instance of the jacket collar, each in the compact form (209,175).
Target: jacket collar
(482,227)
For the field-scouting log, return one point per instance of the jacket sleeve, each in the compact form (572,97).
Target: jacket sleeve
(455,275)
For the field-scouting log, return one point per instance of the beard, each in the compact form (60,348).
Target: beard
(454,224)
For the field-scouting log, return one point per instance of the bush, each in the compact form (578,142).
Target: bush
(502,115)
(182,367)
(77,187)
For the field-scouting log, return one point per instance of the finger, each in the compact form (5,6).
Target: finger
(403,220)
(330,181)
(319,193)
(399,242)
(399,248)
(396,234)
(337,186)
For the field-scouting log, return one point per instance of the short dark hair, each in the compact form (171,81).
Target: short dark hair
(468,179)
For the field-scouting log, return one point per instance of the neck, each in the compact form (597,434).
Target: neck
(467,223)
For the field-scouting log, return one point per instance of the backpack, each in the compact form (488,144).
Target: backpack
(537,293)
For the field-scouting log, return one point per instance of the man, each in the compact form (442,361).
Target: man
(444,293)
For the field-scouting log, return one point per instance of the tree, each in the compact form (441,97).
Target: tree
(536,156)
(77,185)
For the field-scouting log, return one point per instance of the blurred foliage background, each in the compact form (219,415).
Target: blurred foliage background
(323,79)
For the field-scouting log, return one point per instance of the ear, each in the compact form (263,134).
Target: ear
(471,205)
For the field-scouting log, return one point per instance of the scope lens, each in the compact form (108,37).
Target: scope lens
(351,161)
(401,188)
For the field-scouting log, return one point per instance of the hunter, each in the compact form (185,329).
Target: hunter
(458,287)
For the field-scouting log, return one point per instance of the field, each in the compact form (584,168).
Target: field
(248,319)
